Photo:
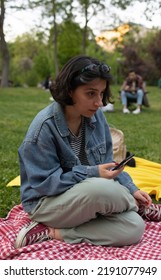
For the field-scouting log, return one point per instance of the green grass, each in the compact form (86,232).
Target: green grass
(18,106)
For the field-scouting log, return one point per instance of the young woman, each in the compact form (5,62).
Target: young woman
(68,187)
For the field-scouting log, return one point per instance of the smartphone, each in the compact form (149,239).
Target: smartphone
(123,162)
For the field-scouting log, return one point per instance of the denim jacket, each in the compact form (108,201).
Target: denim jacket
(48,165)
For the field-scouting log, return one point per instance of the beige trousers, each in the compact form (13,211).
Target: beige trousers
(97,210)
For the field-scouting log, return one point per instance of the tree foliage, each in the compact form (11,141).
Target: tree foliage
(89,9)
(32,49)
(123,4)
(33,56)
(155,50)
(142,53)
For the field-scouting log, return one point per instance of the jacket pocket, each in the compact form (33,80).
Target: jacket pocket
(98,153)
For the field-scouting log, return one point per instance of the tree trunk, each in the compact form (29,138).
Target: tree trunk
(55,47)
(55,39)
(84,41)
(5,65)
(4,50)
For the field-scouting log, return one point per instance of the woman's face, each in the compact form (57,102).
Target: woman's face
(88,98)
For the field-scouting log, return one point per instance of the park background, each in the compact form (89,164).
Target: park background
(62,30)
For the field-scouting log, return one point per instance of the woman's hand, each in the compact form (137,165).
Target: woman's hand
(105,170)
(142,198)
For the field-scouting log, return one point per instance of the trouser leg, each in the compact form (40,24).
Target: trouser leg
(83,202)
(124,98)
(140,95)
(125,95)
(115,230)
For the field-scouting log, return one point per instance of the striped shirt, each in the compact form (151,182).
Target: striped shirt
(77,144)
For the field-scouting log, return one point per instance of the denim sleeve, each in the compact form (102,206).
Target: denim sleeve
(41,170)
(124,179)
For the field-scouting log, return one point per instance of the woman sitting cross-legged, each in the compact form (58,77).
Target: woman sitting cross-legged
(68,187)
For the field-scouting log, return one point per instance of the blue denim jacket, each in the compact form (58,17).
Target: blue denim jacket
(48,165)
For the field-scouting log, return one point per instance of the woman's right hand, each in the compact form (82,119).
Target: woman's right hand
(105,170)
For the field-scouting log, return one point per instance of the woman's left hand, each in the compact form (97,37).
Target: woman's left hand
(142,198)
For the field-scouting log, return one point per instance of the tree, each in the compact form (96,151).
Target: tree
(89,8)
(69,41)
(30,60)
(141,52)
(150,4)
(3,49)
(4,52)
(155,50)
(55,11)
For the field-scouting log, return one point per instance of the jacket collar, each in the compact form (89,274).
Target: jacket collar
(60,120)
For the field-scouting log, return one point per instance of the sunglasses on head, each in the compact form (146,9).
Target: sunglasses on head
(102,67)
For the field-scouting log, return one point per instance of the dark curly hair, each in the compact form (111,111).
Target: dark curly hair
(78,71)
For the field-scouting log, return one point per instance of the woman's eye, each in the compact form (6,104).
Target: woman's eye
(91,93)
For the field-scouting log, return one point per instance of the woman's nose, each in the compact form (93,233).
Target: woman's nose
(98,102)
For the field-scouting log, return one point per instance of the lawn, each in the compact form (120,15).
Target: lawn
(18,106)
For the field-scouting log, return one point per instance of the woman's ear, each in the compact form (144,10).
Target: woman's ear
(71,94)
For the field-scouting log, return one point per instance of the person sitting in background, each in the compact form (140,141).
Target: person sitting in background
(132,88)
(108,108)
(47,82)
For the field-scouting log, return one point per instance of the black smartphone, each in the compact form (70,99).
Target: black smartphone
(123,162)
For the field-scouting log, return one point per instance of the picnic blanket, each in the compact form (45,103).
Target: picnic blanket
(149,247)
(146,175)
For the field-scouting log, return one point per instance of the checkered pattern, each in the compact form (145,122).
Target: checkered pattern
(149,248)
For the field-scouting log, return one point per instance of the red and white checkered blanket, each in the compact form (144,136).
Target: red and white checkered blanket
(149,248)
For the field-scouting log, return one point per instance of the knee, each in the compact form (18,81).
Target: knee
(136,229)
(123,93)
(140,93)
(100,189)
(94,188)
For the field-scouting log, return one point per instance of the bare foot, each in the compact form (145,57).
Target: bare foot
(55,233)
